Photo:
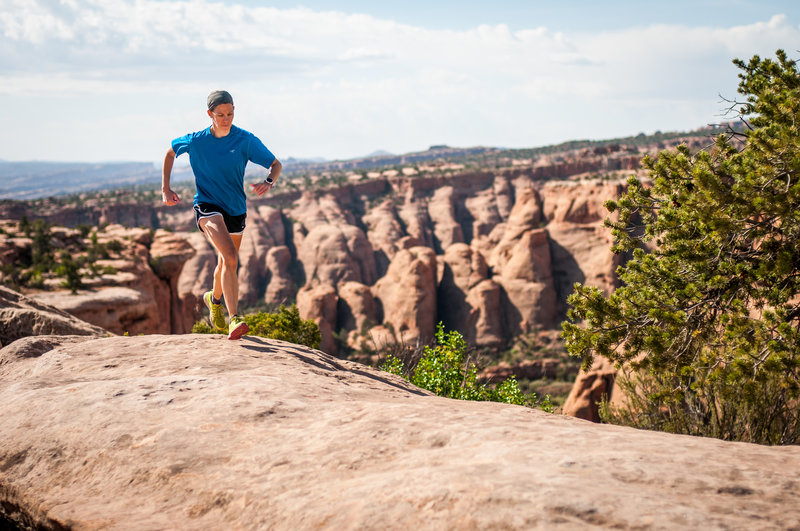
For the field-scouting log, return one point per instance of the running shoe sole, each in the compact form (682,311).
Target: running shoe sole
(239,331)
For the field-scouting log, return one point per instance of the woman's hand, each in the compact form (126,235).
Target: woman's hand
(261,188)
(169,198)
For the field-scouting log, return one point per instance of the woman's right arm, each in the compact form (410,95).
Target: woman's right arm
(167,195)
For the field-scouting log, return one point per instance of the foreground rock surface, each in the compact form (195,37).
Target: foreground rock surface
(197,432)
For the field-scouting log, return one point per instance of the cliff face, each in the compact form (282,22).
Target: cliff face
(197,432)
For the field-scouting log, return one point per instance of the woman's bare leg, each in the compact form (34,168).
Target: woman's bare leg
(226,281)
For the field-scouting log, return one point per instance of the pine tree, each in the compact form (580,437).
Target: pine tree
(708,315)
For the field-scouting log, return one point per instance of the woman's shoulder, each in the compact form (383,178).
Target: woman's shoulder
(196,135)
(238,131)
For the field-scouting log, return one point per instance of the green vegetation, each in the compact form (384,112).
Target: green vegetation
(708,320)
(445,370)
(285,325)
(70,270)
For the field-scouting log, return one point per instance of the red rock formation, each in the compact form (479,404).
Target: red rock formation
(332,254)
(384,232)
(416,220)
(256,243)
(408,294)
(357,311)
(197,277)
(22,316)
(315,208)
(442,212)
(170,252)
(590,388)
(280,286)
(319,303)
(580,243)
(526,369)
(491,324)
(468,301)
(525,273)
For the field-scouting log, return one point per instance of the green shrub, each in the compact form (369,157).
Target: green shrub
(394,365)
(445,370)
(115,246)
(35,280)
(286,325)
(70,270)
(24,226)
(41,249)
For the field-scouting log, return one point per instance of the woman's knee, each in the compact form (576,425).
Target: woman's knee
(228,258)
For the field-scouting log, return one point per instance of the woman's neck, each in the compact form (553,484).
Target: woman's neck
(219,132)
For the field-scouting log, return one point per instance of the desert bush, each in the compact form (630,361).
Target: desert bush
(41,249)
(70,270)
(766,411)
(24,226)
(446,370)
(115,246)
(286,325)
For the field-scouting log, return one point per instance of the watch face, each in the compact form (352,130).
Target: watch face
(268,180)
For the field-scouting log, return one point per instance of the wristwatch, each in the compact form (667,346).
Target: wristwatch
(269,181)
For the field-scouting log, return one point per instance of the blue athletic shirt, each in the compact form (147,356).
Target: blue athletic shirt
(218,165)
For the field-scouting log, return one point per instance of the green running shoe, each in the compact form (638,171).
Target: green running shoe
(217,317)
(237,328)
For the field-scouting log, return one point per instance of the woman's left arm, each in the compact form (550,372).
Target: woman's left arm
(265,186)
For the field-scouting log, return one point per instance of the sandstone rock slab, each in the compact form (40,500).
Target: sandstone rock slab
(197,432)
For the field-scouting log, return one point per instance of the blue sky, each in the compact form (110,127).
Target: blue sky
(108,80)
(569,15)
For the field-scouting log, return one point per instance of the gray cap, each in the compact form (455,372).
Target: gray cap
(218,97)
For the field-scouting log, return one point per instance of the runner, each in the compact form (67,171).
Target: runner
(218,156)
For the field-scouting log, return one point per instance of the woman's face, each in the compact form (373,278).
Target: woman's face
(222,117)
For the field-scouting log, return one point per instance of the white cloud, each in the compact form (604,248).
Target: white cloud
(336,84)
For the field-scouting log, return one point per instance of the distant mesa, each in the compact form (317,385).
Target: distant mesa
(288,161)
(380,153)
(35,179)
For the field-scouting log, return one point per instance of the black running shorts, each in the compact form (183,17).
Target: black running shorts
(235,224)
